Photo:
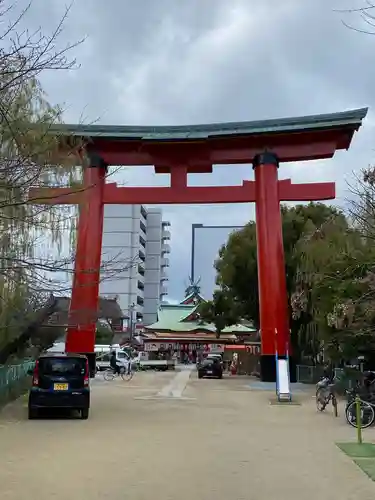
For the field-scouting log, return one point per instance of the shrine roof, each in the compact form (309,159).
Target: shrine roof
(174,318)
(352,118)
(186,336)
(188,300)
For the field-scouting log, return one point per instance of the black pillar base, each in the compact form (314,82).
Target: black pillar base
(268,368)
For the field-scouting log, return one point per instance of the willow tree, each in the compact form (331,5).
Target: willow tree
(333,286)
(29,156)
(30,235)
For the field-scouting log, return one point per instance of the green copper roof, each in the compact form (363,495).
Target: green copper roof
(193,295)
(199,132)
(173,314)
(171,317)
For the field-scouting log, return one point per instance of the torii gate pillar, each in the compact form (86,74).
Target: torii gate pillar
(273,305)
(81,331)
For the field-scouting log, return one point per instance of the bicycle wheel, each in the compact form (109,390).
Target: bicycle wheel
(108,375)
(367,414)
(127,375)
(321,400)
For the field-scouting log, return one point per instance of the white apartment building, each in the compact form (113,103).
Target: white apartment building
(134,259)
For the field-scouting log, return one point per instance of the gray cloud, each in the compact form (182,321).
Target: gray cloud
(168,61)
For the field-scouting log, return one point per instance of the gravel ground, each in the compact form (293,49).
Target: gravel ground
(220,438)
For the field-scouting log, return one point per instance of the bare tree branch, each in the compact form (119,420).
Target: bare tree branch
(366,15)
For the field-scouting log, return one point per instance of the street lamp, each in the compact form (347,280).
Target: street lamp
(201,226)
(193,228)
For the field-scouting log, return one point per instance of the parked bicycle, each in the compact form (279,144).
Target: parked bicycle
(125,373)
(366,393)
(325,394)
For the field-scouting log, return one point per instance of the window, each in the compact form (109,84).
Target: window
(143,227)
(122,355)
(103,357)
(62,366)
(141,286)
(140,301)
(143,212)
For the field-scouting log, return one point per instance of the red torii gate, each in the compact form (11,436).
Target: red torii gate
(181,150)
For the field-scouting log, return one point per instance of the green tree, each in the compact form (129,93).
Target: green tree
(237,269)
(336,274)
(331,262)
(221,311)
(104,333)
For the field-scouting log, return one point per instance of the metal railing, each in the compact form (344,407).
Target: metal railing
(345,378)
(309,374)
(10,375)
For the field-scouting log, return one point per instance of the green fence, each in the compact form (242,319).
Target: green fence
(14,380)
(309,374)
(345,377)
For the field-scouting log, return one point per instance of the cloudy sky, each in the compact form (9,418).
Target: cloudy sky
(180,62)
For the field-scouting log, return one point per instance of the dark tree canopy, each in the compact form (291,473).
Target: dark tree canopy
(328,266)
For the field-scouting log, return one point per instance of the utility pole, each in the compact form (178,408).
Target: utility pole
(131,322)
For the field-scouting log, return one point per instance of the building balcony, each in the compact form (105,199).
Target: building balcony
(163,291)
(143,212)
(140,301)
(166,235)
(165,248)
(164,262)
(163,277)
(143,227)
(141,269)
(142,254)
(165,223)
(142,241)
(141,285)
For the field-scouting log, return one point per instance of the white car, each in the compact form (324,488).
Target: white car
(103,358)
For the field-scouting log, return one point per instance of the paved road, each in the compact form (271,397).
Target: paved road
(170,436)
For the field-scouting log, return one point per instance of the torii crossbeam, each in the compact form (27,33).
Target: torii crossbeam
(183,150)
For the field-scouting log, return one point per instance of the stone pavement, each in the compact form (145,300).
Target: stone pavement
(162,437)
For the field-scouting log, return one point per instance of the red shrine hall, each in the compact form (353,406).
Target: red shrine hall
(179,151)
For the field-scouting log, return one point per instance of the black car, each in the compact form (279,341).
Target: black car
(60,381)
(210,368)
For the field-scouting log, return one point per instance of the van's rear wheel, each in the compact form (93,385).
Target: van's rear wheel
(85,413)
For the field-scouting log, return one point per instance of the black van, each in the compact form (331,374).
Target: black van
(60,381)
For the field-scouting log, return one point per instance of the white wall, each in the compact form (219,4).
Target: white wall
(125,227)
(152,266)
(121,244)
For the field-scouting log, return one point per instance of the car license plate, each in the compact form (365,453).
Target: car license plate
(209,372)
(60,387)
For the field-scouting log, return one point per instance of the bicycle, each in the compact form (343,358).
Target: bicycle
(325,394)
(367,411)
(125,374)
